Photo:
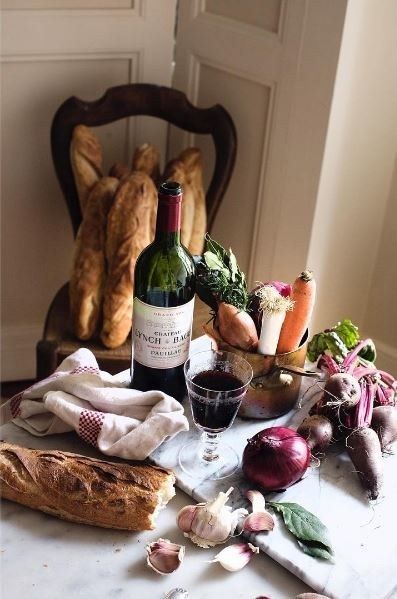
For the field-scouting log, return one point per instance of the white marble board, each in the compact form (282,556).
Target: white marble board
(364,534)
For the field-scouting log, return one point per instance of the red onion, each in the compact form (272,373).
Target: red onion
(276,458)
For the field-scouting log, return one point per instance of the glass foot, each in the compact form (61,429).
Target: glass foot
(191,461)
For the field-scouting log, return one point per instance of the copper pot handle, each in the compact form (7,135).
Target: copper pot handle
(299,370)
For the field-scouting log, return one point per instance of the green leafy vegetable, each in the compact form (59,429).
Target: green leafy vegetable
(219,278)
(348,333)
(338,341)
(368,353)
(215,263)
(312,535)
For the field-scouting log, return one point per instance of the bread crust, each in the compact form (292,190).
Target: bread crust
(119,170)
(147,160)
(129,231)
(191,158)
(89,269)
(86,159)
(86,490)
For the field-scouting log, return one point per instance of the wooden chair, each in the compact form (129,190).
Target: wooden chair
(121,102)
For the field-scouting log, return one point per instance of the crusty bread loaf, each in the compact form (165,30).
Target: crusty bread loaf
(86,159)
(147,159)
(80,489)
(119,170)
(176,171)
(89,268)
(191,158)
(129,231)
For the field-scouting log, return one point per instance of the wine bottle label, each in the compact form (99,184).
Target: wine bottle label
(162,335)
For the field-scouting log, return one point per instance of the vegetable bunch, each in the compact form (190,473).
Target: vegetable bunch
(338,341)
(359,404)
(270,319)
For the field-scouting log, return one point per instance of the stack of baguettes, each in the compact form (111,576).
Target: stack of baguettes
(85,490)
(119,216)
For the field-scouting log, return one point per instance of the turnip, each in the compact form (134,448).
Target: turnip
(384,423)
(317,430)
(363,447)
(343,389)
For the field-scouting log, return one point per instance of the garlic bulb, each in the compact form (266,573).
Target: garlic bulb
(164,557)
(235,557)
(211,523)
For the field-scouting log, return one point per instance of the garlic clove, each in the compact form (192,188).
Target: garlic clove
(235,557)
(164,557)
(185,517)
(257,500)
(258,521)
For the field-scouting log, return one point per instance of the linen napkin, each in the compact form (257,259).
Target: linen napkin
(118,421)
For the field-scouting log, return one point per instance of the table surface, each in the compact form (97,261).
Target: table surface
(43,557)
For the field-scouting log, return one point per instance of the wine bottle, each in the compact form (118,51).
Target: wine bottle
(164,287)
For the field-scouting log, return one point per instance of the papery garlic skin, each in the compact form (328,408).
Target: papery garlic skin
(209,524)
(235,557)
(164,557)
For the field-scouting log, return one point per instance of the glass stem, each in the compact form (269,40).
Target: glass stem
(210,446)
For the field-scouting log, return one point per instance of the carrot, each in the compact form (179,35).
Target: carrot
(363,447)
(297,321)
(237,327)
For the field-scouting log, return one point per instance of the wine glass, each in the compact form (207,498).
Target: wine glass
(216,382)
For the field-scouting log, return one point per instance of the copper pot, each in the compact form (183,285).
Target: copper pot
(276,382)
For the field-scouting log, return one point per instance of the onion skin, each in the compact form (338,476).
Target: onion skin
(275,458)
(237,327)
(317,430)
(311,596)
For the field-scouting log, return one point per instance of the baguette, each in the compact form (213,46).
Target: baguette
(119,170)
(85,490)
(86,158)
(147,160)
(129,231)
(176,171)
(191,158)
(89,271)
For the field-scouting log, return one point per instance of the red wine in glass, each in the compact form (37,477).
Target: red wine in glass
(217,382)
(218,408)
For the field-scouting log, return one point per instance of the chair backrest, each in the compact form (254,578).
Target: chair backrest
(135,99)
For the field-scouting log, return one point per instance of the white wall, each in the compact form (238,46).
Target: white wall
(351,246)
(380,316)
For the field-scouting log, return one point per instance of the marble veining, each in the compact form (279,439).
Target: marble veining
(43,557)
(364,535)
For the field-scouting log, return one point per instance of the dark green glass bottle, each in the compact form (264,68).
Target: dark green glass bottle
(164,287)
